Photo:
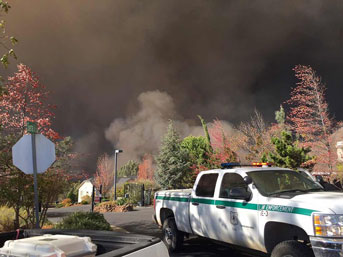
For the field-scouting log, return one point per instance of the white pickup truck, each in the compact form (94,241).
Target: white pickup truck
(270,210)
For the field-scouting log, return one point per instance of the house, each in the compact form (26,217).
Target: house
(123,180)
(86,188)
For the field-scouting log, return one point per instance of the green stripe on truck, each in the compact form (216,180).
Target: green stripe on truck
(249,206)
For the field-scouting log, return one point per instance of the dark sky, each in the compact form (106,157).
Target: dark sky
(220,59)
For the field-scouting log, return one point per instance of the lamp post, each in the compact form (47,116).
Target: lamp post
(116,152)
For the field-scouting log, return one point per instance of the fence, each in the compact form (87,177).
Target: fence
(137,193)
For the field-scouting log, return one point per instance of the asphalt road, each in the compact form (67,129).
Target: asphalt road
(140,221)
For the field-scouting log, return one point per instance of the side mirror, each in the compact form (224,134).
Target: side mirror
(247,180)
(240,193)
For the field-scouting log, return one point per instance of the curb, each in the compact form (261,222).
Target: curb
(118,229)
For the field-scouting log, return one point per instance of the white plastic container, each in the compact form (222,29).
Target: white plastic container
(49,246)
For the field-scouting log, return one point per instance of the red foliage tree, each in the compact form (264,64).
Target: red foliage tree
(25,99)
(309,114)
(222,151)
(145,169)
(104,173)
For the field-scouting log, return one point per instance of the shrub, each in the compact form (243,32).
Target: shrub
(84,220)
(7,216)
(148,184)
(48,225)
(120,191)
(84,202)
(73,192)
(66,202)
(122,201)
(59,205)
(87,199)
(72,196)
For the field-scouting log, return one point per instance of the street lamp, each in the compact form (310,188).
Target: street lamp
(116,152)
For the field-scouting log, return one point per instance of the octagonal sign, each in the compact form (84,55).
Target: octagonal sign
(22,153)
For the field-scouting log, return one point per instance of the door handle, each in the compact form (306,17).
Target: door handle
(220,206)
(195,203)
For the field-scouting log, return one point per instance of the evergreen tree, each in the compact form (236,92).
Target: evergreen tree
(172,161)
(280,116)
(129,169)
(287,154)
(207,135)
(197,148)
(199,158)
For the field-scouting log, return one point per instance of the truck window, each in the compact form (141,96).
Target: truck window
(270,182)
(206,185)
(230,180)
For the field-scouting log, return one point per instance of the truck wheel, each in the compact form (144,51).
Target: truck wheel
(172,237)
(292,249)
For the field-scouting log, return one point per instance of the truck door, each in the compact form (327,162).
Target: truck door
(236,219)
(202,205)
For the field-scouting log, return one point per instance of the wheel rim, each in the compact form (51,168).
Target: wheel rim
(168,235)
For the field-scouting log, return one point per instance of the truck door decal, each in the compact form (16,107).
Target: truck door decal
(234,218)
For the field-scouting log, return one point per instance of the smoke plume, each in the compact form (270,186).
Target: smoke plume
(142,132)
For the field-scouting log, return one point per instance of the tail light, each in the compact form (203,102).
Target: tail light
(154,203)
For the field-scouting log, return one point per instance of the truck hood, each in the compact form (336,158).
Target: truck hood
(321,201)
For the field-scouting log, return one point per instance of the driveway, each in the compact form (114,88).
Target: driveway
(140,221)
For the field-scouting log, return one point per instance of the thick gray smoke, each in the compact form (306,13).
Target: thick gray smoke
(220,59)
(142,132)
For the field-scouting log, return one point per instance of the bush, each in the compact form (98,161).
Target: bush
(66,202)
(59,205)
(72,196)
(84,202)
(73,192)
(122,201)
(48,225)
(120,191)
(7,216)
(84,220)
(87,199)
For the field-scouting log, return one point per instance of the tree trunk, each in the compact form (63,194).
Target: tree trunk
(16,221)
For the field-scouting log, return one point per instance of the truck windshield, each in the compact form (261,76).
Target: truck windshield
(273,182)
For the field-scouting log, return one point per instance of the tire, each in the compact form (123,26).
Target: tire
(292,249)
(172,237)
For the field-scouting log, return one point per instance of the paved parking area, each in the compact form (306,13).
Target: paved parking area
(140,221)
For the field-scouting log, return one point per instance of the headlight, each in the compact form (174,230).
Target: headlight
(328,225)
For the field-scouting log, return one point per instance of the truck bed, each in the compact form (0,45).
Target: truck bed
(110,244)
(175,200)
(177,192)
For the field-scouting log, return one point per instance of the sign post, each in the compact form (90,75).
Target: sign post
(34,154)
(35,183)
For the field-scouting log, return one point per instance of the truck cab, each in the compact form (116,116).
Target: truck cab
(267,209)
